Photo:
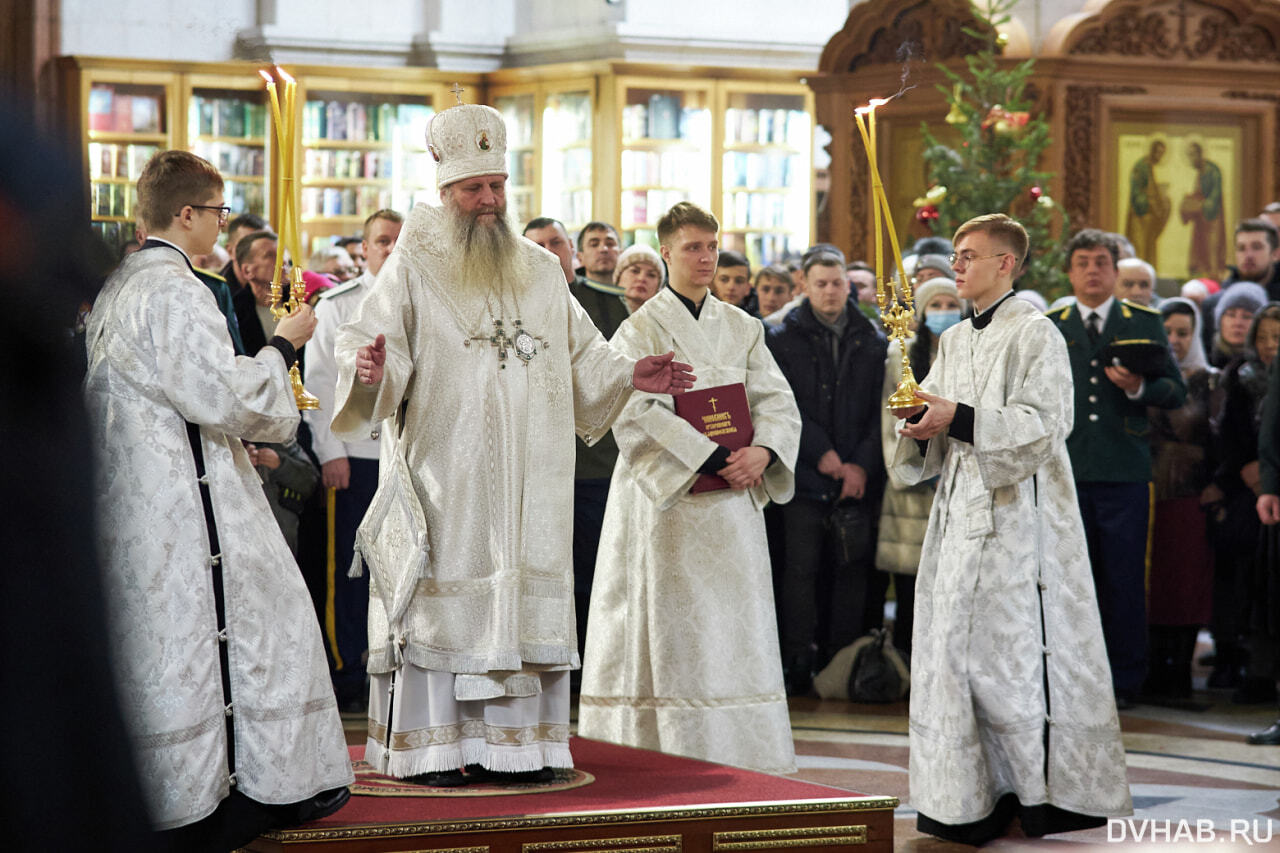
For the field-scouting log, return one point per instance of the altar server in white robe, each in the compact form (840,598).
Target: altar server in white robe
(221,670)
(1012,711)
(471,348)
(682,642)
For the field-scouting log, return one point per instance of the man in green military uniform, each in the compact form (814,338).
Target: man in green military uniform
(1109,449)
(593,465)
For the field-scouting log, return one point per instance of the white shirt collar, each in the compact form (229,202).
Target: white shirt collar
(1103,311)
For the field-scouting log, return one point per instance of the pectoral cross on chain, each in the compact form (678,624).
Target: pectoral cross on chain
(522,343)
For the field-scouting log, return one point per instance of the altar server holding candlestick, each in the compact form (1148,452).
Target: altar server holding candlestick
(1012,711)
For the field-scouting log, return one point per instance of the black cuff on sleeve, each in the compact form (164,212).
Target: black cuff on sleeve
(715,461)
(921,444)
(961,427)
(286,349)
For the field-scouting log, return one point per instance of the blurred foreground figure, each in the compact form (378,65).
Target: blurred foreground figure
(74,787)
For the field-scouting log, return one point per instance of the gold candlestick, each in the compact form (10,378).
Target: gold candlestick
(896,314)
(285,124)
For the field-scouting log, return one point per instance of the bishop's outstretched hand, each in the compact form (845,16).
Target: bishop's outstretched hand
(370,359)
(660,374)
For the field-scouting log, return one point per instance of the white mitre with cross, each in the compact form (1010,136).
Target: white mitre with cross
(467,140)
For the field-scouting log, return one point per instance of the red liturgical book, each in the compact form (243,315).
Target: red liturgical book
(722,415)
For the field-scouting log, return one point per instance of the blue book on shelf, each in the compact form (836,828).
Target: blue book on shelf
(664,117)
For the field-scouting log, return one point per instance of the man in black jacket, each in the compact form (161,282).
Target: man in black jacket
(834,359)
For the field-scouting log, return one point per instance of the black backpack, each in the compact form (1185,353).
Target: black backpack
(868,670)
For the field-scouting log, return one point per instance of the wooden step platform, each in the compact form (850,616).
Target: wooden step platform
(626,801)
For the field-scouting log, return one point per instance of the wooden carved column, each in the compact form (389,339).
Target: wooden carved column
(868,58)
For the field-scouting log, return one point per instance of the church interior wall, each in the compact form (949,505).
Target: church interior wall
(1085,89)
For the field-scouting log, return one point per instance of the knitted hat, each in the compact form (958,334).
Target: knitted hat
(1242,294)
(467,141)
(932,262)
(637,254)
(932,288)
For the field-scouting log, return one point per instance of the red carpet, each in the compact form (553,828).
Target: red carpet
(625,778)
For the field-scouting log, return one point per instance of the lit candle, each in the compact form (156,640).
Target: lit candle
(883,198)
(871,119)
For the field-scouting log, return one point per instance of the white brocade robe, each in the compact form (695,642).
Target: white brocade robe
(1007,653)
(682,643)
(160,355)
(490,446)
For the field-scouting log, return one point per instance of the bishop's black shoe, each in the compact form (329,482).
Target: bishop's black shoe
(439,779)
(480,773)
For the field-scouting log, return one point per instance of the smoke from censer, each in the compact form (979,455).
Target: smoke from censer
(908,52)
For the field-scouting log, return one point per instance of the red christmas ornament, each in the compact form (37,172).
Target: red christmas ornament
(1036,192)
(926,214)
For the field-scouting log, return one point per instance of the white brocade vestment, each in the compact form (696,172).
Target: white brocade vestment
(490,447)
(682,643)
(1007,653)
(160,356)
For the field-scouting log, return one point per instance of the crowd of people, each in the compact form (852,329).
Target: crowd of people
(441,461)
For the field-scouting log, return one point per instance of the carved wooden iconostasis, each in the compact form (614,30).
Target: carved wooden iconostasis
(1199,77)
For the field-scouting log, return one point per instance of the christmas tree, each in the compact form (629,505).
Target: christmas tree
(993,168)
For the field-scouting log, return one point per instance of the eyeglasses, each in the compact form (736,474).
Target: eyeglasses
(962,261)
(223,211)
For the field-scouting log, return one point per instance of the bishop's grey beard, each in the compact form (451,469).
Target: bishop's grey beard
(485,253)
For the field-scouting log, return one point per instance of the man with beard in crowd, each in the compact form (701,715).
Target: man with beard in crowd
(472,349)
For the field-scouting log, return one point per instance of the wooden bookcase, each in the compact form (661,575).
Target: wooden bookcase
(124,115)
(227,122)
(612,141)
(622,142)
(551,145)
(362,143)
(766,177)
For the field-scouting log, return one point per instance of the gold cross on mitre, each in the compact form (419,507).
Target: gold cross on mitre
(457,92)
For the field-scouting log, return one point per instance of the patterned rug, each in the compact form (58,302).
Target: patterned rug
(372,784)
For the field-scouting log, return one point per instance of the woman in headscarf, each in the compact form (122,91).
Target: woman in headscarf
(1181,580)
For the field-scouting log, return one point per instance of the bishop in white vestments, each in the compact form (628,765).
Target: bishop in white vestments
(682,641)
(221,670)
(1012,711)
(482,365)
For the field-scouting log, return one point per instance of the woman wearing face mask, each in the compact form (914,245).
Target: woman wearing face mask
(1181,580)
(1235,523)
(904,514)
